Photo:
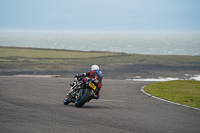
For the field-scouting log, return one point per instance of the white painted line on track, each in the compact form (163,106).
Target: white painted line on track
(110,100)
(142,89)
(44,76)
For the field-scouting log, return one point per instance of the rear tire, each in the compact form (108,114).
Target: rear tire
(85,97)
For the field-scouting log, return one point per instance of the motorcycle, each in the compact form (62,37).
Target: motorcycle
(80,93)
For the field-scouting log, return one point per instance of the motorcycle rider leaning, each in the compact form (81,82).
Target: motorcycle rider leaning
(96,74)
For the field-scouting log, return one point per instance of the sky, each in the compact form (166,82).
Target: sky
(133,15)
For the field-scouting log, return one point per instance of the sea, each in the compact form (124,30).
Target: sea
(154,43)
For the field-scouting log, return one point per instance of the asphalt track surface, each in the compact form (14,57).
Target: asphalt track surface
(35,104)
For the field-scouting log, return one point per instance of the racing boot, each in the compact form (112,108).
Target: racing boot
(96,97)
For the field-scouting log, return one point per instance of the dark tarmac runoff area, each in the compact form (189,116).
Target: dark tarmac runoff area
(35,105)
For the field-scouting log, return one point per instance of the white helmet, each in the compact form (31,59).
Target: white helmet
(94,67)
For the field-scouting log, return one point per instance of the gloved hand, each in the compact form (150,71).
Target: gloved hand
(77,75)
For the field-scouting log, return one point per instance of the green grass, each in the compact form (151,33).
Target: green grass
(185,92)
(30,59)
(41,53)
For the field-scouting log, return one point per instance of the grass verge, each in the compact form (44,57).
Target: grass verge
(186,92)
(30,58)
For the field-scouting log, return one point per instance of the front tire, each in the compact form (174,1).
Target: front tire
(81,100)
(66,100)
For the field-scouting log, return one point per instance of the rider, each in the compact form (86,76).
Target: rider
(96,74)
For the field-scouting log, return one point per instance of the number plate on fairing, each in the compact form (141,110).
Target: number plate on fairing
(92,86)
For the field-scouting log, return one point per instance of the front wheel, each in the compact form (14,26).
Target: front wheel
(66,100)
(82,98)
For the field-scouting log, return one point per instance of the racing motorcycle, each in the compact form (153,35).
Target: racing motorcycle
(80,93)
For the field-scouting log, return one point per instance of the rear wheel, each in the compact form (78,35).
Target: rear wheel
(82,98)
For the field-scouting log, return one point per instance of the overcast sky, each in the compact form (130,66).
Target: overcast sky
(134,15)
